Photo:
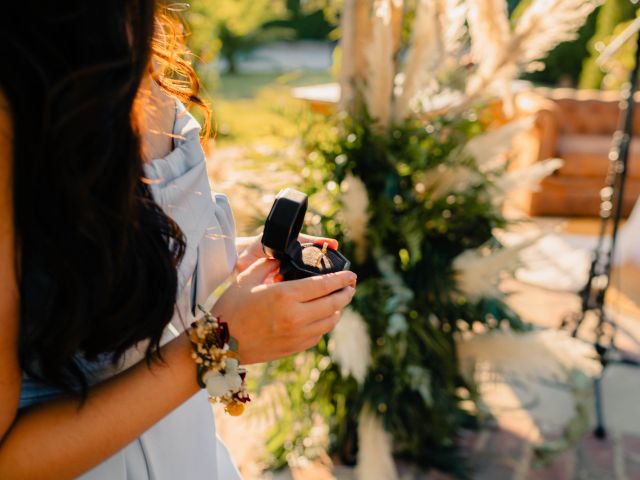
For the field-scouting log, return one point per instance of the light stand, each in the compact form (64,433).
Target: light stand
(594,292)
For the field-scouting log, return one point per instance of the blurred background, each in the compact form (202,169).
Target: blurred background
(458,150)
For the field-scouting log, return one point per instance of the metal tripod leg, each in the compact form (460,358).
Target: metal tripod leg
(600,430)
(594,293)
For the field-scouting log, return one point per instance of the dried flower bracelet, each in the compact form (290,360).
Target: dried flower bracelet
(217,363)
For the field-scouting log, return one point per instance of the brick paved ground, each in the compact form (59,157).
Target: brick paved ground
(506,456)
(499,455)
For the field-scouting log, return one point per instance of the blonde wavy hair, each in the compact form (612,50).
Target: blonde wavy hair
(171,66)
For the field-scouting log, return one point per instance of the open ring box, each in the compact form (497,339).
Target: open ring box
(280,240)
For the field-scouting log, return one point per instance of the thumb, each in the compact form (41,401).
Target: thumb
(258,271)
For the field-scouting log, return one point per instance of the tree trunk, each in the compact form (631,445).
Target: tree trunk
(232,64)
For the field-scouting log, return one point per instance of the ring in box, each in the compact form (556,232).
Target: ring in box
(280,240)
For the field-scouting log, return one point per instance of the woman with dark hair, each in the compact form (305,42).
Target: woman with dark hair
(109,237)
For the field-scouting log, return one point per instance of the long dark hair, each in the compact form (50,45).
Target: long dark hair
(97,255)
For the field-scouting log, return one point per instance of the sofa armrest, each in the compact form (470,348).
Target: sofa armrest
(546,125)
(545,129)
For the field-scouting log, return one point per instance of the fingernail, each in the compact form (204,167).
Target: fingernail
(331,243)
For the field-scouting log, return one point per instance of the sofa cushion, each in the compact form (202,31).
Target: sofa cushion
(587,156)
(591,112)
(576,195)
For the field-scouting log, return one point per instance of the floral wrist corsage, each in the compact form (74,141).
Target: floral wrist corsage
(218,367)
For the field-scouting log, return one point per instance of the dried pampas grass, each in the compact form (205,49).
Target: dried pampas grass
(438,33)
(527,178)
(375,455)
(454,26)
(347,49)
(379,55)
(489,31)
(478,272)
(489,148)
(426,52)
(552,354)
(350,345)
(354,214)
(545,24)
(501,53)
(442,32)
(445,179)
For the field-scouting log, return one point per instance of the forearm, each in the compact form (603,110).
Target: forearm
(59,439)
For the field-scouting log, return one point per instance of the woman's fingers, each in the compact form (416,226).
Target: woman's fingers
(320,327)
(331,242)
(308,289)
(327,305)
(308,343)
(315,330)
(304,238)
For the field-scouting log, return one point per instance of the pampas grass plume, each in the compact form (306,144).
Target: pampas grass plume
(350,345)
(375,454)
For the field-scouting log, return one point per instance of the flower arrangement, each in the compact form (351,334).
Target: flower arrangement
(217,365)
(411,176)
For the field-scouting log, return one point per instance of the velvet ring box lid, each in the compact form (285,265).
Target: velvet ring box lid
(280,240)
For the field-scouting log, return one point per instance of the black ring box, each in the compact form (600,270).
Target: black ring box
(280,240)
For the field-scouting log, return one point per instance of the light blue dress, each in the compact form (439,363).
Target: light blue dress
(183,445)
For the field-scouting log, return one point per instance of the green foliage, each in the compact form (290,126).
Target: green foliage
(330,8)
(306,19)
(610,15)
(618,67)
(233,26)
(407,291)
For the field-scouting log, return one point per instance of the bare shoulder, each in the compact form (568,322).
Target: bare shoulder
(9,299)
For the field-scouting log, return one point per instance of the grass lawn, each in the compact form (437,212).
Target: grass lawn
(258,107)
(248,85)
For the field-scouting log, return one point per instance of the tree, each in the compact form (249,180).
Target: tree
(231,27)
(305,19)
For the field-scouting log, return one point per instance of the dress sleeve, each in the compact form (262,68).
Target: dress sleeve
(216,251)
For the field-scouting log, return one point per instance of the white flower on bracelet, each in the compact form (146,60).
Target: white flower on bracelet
(220,382)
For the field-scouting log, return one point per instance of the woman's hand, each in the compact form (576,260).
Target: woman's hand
(253,251)
(275,320)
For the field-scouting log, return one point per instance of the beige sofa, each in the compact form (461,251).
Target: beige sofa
(577,126)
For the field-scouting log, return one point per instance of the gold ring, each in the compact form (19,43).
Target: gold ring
(322,254)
